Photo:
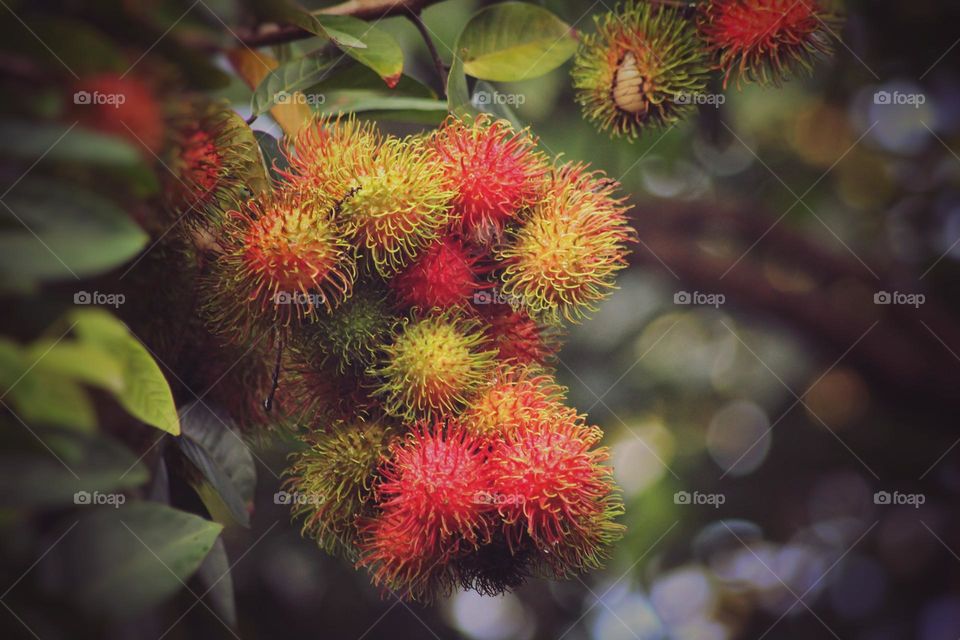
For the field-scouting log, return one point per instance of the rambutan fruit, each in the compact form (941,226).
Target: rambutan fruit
(433,366)
(121,105)
(430,512)
(639,69)
(520,339)
(444,275)
(354,332)
(554,489)
(496,567)
(766,41)
(496,171)
(515,396)
(331,482)
(284,260)
(328,154)
(397,204)
(214,159)
(563,260)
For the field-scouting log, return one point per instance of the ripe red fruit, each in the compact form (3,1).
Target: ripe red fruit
(496,170)
(430,510)
(553,489)
(122,106)
(519,339)
(516,396)
(443,276)
(765,40)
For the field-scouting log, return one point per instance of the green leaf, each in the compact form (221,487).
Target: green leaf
(493,107)
(145,393)
(270,150)
(285,82)
(87,363)
(458,94)
(287,11)
(50,399)
(514,41)
(36,478)
(28,141)
(55,231)
(215,577)
(354,76)
(121,561)
(425,110)
(223,458)
(380,50)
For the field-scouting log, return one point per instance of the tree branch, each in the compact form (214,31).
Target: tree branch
(417,20)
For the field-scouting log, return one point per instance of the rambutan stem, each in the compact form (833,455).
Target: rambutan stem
(268,402)
(417,20)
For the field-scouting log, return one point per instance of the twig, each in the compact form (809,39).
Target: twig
(417,20)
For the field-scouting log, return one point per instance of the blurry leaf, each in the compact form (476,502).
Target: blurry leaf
(145,394)
(425,110)
(514,41)
(289,12)
(58,42)
(380,51)
(50,399)
(253,67)
(215,577)
(87,463)
(55,231)
(86,363)
(221,456)
(357,76)
(286,83)
(489,105)
(28,141)
(121,561)
(458,94)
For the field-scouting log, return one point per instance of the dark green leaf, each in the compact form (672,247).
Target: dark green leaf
(285,83)
(215,577)
(380,51)
(29,141)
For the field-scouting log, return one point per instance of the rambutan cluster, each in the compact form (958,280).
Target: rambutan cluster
(648,64)
(414,289)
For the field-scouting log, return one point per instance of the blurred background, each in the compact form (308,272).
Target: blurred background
(778,375)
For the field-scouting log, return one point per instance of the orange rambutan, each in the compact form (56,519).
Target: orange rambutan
(430,512)
(284,259)
(123,106)
(554,490)
(563,260)
(444,275)
(328,154)
(519,339)
(766,41)
(514,397)
(496,170)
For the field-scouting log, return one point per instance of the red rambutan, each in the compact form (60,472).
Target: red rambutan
(519,339)
(553,488)
(516,396)
(443,276)
(496,170)
(765,41)
(124,106)
(430,510)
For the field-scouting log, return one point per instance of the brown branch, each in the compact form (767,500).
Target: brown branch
(417,20)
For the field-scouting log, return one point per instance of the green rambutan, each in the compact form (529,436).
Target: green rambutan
(766,41)
(433,366)
(353,333)
(563,260)
(639,69)
(331,482)
(398,204)
(284,260)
